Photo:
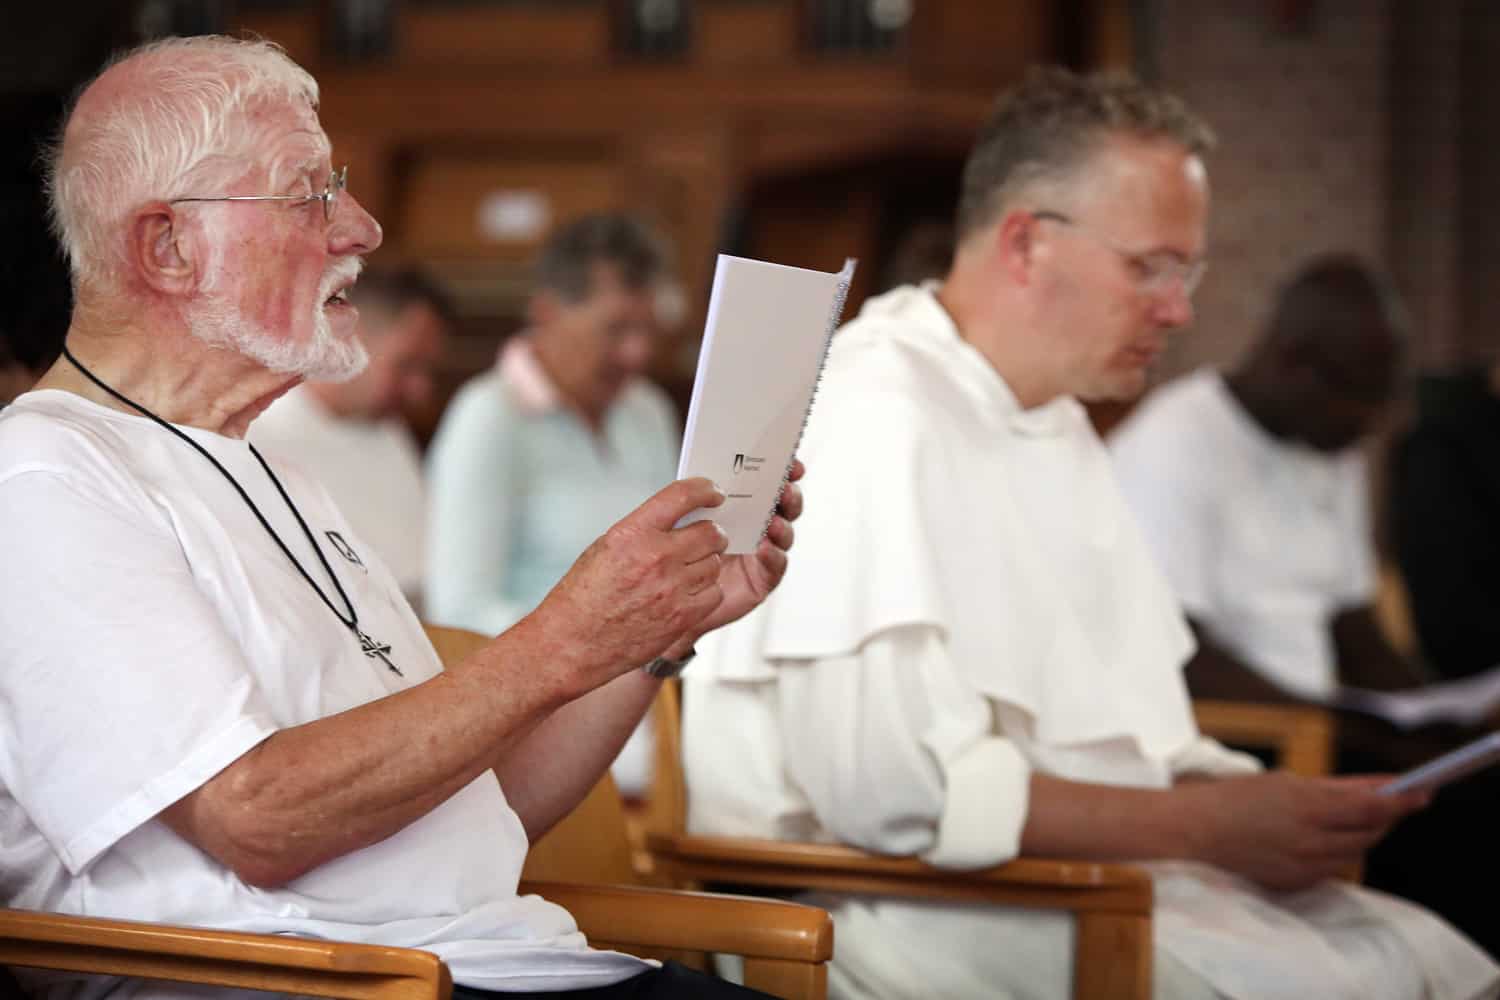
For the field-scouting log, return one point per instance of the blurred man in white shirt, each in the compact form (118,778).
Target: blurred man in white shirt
(352,436)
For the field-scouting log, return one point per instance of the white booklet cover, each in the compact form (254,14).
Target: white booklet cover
(763,347)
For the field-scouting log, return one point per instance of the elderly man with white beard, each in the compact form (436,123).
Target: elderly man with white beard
(212,713)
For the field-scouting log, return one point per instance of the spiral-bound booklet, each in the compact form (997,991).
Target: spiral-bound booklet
(763,348)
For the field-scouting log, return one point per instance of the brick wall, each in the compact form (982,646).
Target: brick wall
(1301,165)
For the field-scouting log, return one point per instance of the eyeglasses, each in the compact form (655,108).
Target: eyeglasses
(1155,273)
(329,196)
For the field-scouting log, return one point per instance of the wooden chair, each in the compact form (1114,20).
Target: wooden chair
(786,946)
(1111,903)
(590,847)
(1300,739)
(219,958)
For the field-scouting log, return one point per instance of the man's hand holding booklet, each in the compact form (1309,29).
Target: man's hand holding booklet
(764,343)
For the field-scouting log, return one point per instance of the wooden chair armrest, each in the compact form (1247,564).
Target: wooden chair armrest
(221,958)
(1078,886)
(668,918)
(1301,735)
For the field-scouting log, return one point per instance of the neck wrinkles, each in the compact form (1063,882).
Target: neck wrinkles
(175,376)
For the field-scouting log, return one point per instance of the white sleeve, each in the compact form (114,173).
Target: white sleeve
(122,691)
(471,505)
(1358,537)
(1208,758)
(896,754)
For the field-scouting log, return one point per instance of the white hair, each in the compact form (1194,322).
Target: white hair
(187,117)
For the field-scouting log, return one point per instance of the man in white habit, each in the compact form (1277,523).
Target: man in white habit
(976,658)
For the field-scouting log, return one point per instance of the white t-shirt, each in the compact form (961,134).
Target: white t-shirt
(371,468)
(151,632)
(1263,541)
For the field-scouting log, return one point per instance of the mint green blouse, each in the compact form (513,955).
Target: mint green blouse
(517,494)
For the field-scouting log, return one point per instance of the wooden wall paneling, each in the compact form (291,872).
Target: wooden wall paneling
(427,102)
(501,201)
(778,145)
(531,35)
(370,171)
(1112,36)
(294,30)
(816,222)
(981,43)
(746,34)
(684,180)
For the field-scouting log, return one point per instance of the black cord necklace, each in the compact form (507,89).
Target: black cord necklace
(370,647)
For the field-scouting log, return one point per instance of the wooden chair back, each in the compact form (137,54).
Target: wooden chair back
(1299,738)
(590,845)
(666,797)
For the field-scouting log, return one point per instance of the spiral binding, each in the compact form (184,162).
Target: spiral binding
(840,295)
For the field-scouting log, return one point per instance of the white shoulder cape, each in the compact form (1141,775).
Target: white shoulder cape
(912,449)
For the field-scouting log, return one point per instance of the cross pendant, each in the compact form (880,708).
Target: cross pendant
(377,650)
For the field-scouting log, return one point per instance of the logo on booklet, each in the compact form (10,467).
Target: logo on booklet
(747,463)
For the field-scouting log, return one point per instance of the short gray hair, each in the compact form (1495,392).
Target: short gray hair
(566,262)
(1046,127)
(185,117)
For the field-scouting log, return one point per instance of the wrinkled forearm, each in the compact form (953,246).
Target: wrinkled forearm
(315,792)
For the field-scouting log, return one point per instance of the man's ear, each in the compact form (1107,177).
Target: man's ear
(161,253)
(1013,245)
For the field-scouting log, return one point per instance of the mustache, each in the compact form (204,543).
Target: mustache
(343,272)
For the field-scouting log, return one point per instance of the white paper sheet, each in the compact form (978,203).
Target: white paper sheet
(1466,702)
(763,347)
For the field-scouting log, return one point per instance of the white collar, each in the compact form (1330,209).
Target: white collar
(914,313)
(520,369)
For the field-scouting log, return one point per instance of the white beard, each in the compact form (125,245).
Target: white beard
(322,358)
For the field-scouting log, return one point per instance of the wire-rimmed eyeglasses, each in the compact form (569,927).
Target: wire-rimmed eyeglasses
(329,196)
(1155,273)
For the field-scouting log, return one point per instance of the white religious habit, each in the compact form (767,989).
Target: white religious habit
(969,602)
(372,468)
(151,633)
(1264,541)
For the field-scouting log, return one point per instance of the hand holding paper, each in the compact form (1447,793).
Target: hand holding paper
(746,580)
